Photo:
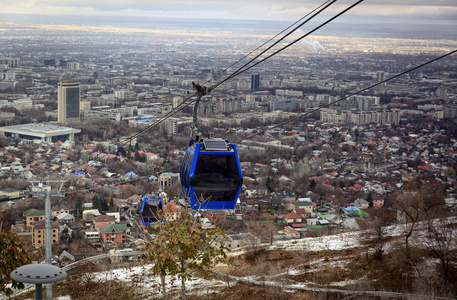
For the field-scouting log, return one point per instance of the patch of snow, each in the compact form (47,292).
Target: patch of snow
(344,283)
(295,272)
(330,242)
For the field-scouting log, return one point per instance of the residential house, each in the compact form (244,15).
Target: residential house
(65,258)
(284,181)
(304,204)
(302,212)
(216,215)
(332,218)
(116,215)
(361,203)
(60,210)
(289,203)
(171,211)
(125,255)
(239,240)
(358,186)
(65,218)
(39,233)
(323,222)
(425,168)
(54,260)
(116,233)
(312,221)
(378,203)
(32,215)
(90,214)
(104,219)
(92,236)
(256,190)
(293,217)
(10,192)
(287,233)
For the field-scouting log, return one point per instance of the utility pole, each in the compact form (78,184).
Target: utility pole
(39,190)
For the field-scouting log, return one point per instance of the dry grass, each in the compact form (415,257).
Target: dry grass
(264,274)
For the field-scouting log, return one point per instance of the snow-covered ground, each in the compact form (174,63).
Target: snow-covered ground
(200,287)
(331,242)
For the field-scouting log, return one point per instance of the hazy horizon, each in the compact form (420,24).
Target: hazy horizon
(343,28)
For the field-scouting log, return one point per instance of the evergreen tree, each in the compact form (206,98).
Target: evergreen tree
(370,199)
(103,204)
(78,207)
(312,184)
(96,202)
(270,183)
(121,152)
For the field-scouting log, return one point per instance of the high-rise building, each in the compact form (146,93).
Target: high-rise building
(49,62)
(63,63)
(84,105)
(177,100)
(441,93)
(68,106)
(11,62)
(171,127)
(284,105)
(73,65)
(255,81)
(250,98)
(380,76)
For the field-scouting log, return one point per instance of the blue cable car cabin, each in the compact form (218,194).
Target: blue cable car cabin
(211,175)
(149,205)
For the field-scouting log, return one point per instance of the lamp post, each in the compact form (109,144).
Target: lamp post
(38,274)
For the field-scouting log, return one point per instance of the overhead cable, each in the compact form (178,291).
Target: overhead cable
(189,101)
(272,38)
(360,91)
(287,46)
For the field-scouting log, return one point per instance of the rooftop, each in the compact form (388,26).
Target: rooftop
(34,212)
(40,130)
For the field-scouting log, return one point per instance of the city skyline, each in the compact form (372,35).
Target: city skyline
(405,11)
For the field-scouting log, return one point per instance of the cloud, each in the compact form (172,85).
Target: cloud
(236,9)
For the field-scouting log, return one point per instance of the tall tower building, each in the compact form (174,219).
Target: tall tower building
(380,76)
(68,106)
(177,100)
(11,62)
(255,81)
(441,93)
(250,98)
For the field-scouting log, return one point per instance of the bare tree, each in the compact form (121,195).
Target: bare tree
(375,234)
(415,205)
(440,239)
(264,232)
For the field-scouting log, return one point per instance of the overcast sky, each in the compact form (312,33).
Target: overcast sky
(425,11)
